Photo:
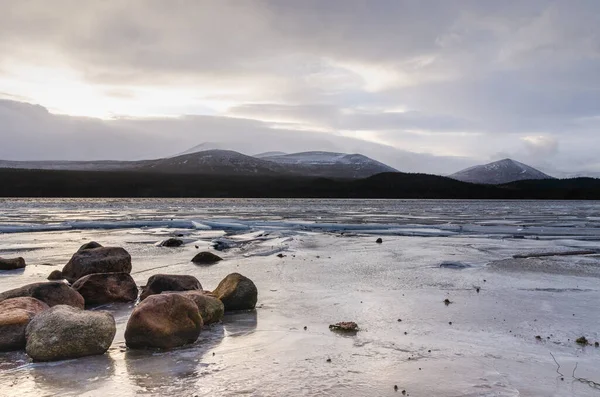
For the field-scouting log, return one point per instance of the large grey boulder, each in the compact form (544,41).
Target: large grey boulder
(97,260)
(15,315)
(163,321)
(64,332)
(51,293)
(100,288)
(169,282)
(237,292)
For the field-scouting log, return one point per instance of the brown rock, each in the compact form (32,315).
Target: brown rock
(237,292)
(12,264)
(169,282)
(163,321)
(15,315)
(64,332)
(100,288)
(211,309)
(172,242)
(52,293)
(90,245)
(206,258)
(56,275)
(97,260)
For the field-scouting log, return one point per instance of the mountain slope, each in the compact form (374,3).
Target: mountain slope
(499,172)
(329,164)
(216,162)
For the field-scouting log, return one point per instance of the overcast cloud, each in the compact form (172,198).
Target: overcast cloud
(422,85)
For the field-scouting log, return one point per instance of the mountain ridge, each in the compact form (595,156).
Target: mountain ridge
(499,172)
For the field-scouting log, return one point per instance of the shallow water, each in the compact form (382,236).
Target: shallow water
(334,271)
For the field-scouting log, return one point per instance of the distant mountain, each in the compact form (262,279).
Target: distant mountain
(269,154)
(329,164)
(499,172)
(213,162)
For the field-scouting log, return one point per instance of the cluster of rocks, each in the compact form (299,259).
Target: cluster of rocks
(49,320)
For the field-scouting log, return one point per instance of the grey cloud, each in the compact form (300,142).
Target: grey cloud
(499,71)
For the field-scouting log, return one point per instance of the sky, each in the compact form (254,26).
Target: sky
(423,85)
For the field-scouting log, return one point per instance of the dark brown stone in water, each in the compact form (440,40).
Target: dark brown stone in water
(64,332)
(100,288)
(12,264)
(56,275)
(52,293)
(97,260)
(206,258)
(237,292)
(169,282)
(172,243)
(163,321)
(15,315)
(345,326)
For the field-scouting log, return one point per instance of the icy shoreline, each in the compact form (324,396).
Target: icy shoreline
(326,276)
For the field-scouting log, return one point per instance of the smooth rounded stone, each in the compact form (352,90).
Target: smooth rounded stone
(52,293)
(163,321)
(15,315)
(90,245)
(100,288)
(211,309)
(64,332)
(206,258)
(379,240)
(56,275)
(97,260)
(237,292)
(171,242)
(169,282)
(12,263)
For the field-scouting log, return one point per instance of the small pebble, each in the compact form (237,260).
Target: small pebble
(305,327)
(396,387)
(328,360)
(450,322)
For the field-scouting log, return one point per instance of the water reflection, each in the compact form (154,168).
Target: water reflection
(177,370)
(81,374)
(240,323)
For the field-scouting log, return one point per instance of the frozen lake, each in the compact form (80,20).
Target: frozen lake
(483,344)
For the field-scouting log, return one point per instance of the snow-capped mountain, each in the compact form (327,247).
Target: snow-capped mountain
(499,172)
(332,164)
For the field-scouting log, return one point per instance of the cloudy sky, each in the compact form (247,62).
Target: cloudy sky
(423,85)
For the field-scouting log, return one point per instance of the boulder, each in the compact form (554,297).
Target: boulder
(206,258)
(237,292)
(163,321)
(379,240)
(171,242)
(90,245)
(211,309)
(100,288)
(64,332)
(12,264)
(52,293)
(97,260)
(169,282)
(15,315)
(56,275)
